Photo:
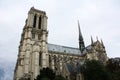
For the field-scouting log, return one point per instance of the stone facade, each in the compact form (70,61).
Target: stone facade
(36,53)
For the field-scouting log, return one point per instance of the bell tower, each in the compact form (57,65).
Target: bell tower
(33,52)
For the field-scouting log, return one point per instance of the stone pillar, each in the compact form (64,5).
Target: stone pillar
(44,22)
(36,64)
(29,34)
(36,50)
(44,59)
(53,64)
(61,66)
(37,21)
(30,19)
(19,71)
(44,50)
(26,67)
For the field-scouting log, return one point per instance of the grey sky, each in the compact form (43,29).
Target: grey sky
(97,18)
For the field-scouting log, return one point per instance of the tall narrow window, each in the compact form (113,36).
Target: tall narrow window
(39,23)
(40,59)
(39,36)
(33,35)
(34,23)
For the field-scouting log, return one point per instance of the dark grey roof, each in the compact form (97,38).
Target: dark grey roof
(61,49)
(74,67)
(89,47)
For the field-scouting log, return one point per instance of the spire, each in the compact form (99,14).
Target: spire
(101,41)
(97,38)
(91,40)
(81,42)
(80,34)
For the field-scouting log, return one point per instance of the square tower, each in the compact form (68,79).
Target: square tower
(33,52)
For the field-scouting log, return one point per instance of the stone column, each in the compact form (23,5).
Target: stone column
(29,34)
(44,50)
(61,66)
(27,55)
(30,19)
(36,64)
(53,64)
(36,50)
(37,21)
(44,22)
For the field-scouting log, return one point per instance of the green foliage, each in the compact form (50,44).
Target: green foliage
(113,67)
(94,70)
(45,78)
(59,77)
(48,74)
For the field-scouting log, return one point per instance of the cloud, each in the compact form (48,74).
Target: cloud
(97,18)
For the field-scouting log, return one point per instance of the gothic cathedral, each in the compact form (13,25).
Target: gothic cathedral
(35,53)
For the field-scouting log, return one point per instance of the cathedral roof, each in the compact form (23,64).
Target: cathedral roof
(63,49)
(89,47)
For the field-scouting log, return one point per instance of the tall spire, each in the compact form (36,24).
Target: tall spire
(80,34)
(102,43)
(81,42)
(97,38)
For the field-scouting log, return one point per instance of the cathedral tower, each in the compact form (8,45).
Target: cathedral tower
(33,52)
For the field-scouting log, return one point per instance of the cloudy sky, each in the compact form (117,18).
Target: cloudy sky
(97,18)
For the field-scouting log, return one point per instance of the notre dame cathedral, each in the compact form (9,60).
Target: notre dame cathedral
(36,53)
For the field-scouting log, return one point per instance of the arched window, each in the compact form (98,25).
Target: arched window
(34,22)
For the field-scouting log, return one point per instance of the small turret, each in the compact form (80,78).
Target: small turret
(91,40)
(97,38)
(102,43)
